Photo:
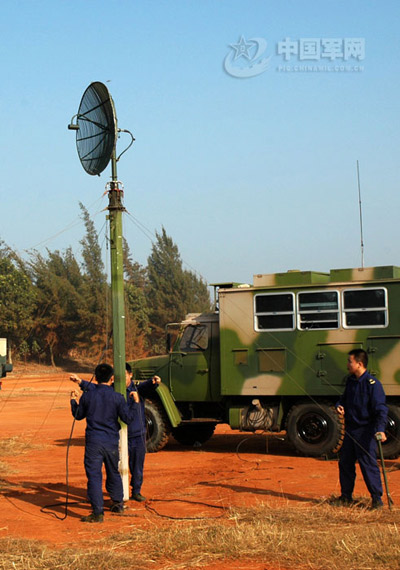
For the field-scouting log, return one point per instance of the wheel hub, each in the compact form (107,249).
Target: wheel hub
(312,428)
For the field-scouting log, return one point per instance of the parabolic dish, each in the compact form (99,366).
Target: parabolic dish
(96,136)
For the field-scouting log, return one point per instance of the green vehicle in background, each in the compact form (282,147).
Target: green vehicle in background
(4,365)
(273,355)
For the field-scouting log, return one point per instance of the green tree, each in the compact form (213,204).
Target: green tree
(197,294)
(17,299)
(59,301)
(166,283)
(133,271)
(36,349)
(171,291)
(136,308)
(137,321)
(94,317)
(23,350)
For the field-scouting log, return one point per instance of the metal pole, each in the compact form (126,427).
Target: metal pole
(115,209)
(361,224)
(378,438)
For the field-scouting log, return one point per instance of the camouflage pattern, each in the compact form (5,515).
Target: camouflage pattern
(311,362)
(280,368)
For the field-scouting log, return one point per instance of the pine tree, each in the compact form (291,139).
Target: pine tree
(133,271)
(93,314)
(197,295)
(136,309)
(166,283)
(171,291)
(59,301)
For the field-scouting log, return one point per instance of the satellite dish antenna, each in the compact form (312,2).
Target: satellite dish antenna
(96,138)
(96,132)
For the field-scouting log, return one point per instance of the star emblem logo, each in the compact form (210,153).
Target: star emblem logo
(247,58)
(242,49)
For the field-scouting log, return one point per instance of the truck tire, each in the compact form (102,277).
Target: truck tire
(315,429)
(391,447)
(157,426)
(189,434)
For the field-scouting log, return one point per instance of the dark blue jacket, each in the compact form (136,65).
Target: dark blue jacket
(101,407)
(364,404)
(138,425)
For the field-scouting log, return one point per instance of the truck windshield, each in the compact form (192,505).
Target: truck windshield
(194,338)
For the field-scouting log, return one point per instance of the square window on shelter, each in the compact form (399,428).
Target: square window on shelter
(318,310)
(365,308)
(274,312)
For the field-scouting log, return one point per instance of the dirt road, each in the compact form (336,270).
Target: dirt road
(232,469)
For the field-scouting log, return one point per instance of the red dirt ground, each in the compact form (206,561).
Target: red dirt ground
(232,469)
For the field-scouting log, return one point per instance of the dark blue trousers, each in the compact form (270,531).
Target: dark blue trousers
(137,452)
(95,455)
(359,445)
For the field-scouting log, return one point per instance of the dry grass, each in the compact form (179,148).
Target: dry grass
(5,469)
(11,447)
(315,538)
(16,446)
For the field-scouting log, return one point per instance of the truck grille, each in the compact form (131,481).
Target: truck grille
(145,373)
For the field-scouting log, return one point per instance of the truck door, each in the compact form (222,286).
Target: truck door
(189,365)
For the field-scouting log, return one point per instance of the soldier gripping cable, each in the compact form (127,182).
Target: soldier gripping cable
(365,411)
(137,427)
(102,407)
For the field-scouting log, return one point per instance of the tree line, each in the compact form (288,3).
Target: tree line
(54,307)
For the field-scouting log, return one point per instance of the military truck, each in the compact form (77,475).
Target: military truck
(272,357)
(4,365)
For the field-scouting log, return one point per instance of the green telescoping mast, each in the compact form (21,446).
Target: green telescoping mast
(96,138)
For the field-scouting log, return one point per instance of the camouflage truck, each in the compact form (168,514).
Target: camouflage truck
(4,366)
(273,355)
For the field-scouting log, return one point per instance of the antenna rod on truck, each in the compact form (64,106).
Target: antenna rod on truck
(361,225)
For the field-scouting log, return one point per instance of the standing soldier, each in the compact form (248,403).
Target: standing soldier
(102,407)
(137,430)
(363,407)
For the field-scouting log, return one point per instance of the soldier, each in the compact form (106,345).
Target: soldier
(363,407)
(101,407)
(137,430)
(136,395)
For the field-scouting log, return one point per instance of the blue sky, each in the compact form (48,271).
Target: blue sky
(248,175)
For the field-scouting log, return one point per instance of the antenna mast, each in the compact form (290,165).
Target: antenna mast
(96,137)
(361,224)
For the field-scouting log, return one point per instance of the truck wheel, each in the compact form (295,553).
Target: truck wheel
(315,429)
(189,434)
(391,447)
(157,426)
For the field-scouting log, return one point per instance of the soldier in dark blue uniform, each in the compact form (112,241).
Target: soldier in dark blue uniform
(365,412)
(137,430)
(136,395)
(101,407)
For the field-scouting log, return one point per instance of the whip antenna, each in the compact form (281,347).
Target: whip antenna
(361,224)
